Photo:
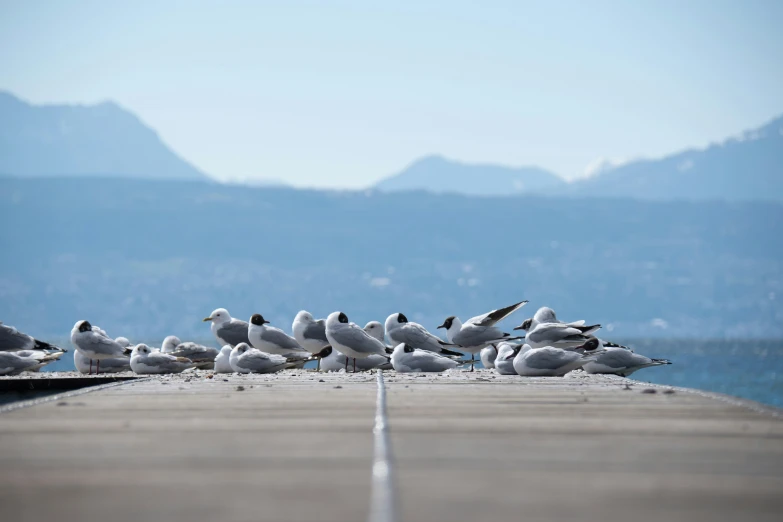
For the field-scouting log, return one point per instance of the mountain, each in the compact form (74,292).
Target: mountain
(146,258)
(94,140)
(743,168)
(440,175)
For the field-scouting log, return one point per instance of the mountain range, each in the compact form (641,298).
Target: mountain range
(99,140)
(108,141)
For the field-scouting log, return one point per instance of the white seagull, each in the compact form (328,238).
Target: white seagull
(553,362)
(245,359)
(222,361)
(12,340)
(13,363)
(350,339)
(407,359)
(621,361)
(84,364)
(480,331)
(145,361)
(269,339)
(334,361)
(94,345)
(504,362)
(226,329)
(203,357)
(401,330)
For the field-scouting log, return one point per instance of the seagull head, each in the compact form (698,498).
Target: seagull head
(375,329)
(240,348)
(218,316)
(545,315)
(169,343)
(140,349)
(590,345)
(83,326)
(258,320)
(326,352)
(448,323)
(407,349)
(526,324)
(304,316)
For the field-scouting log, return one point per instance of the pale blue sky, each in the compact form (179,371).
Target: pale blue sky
(341,94)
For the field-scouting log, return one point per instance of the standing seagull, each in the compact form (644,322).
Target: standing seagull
(270,339)
(226,329)
(84,364)
(333,361)
(480,331)
(400,330)
(94,345)
(350,339)
(310,334)
(12,340)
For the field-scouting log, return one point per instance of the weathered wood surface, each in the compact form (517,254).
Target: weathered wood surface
(467,447)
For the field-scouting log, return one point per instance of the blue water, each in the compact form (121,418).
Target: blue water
(749,369)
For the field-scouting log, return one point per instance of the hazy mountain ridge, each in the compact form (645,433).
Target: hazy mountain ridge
(102,140)
(440,175)
(150,258)
(747,167)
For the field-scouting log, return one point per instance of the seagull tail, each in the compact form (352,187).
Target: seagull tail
(450,353)
(41,345)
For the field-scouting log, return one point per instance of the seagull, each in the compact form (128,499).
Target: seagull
(558,335)
(376,329)
(122,341)
(407,359)
(334,361)
(400,330)
(146,361)
(547,315)
(351,339)
(226,329)
(504,362)
(222,361)
(245,359)
(202,356)
(621,361)
(95,345)
(12,340)
(269,339)
(13,363)
(553,362)
(83,364)
(480,331)
(488,356)
(309,333)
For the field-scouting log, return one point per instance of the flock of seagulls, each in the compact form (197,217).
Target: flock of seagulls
(545,346)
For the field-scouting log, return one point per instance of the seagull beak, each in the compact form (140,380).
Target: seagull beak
(520,327)
(207,319)
(442,326)
(264,322)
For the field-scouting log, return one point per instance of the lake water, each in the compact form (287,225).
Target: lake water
(749,369)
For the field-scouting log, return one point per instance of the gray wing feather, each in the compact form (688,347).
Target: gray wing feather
(316,330)
(431,362)
(195,352)
(619,358)
(166,361)
(12,339)
(356,338)
(258,361)
(233,332)
(552,332)
(474,335)
(281,339)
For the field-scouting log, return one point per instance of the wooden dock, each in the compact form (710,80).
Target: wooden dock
(467,447)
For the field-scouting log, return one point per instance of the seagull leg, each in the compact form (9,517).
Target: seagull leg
(346,365)
(354,365)
(97,366)
(472,361)
(90,367)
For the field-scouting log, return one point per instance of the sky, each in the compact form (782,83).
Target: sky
(341,94)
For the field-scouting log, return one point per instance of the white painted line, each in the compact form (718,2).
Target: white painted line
(383,501)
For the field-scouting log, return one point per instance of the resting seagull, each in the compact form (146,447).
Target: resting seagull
(553,362)
(13,363)
(407,359)
(621,361)
(480,331)
(12,340)
(350,339)
(245,359)
(226,329)
(202,356)
(146,361)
